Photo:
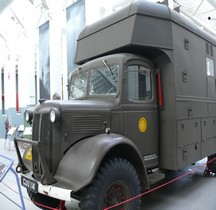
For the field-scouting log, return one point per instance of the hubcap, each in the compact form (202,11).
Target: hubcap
(117,192)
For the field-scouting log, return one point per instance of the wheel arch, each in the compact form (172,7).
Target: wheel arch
(81,162)
(131,154)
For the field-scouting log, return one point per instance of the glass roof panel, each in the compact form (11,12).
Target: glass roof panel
(202,11)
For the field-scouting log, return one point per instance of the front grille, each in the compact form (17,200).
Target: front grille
(36,124)
(86,124)
(42,131)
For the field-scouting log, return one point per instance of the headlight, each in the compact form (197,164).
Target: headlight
(28,116)
(54,115)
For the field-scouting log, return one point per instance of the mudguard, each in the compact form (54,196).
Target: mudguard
(80,164)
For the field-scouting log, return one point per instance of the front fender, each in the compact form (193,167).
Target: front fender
(79,165)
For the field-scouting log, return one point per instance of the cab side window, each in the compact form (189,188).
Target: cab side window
(138,83)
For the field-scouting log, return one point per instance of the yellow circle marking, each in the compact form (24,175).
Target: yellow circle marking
(142,124)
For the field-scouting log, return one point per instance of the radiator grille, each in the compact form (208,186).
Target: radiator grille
(42,130)
(36,125)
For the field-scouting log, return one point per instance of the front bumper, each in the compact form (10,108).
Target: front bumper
(50,190)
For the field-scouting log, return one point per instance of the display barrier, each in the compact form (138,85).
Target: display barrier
(62,207)
(6,165)
(206,172)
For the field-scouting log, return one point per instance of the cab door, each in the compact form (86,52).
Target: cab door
(140,111)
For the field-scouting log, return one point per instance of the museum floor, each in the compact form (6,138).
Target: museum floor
(192,192)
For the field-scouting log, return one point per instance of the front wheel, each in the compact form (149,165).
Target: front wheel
(116,181)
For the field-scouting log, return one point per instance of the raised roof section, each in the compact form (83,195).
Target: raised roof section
(141,24)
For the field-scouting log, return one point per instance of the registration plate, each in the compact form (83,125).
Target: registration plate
(29,184)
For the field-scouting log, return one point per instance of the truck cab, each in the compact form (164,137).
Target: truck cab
(125,82)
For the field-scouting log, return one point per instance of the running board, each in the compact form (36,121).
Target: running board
(155,177)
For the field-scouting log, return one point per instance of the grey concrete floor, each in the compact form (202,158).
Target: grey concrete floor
(191,192)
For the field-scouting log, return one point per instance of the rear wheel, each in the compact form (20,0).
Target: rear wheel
(211,165)
(115,182)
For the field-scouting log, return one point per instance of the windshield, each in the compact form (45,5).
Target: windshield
(96,81)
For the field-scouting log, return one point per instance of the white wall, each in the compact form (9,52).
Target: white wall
(22,47)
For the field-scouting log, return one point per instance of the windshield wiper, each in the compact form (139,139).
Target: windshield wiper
(105,64)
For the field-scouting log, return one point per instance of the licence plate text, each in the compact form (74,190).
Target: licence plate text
(29,184)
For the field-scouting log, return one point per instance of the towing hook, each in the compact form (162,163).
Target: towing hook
(18,169)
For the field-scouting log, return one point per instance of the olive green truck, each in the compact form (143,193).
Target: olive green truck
(141,103)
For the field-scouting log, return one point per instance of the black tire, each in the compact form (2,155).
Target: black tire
(211,164)
(115,182)
(41,201)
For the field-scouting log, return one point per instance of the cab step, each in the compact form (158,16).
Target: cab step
(155,177)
